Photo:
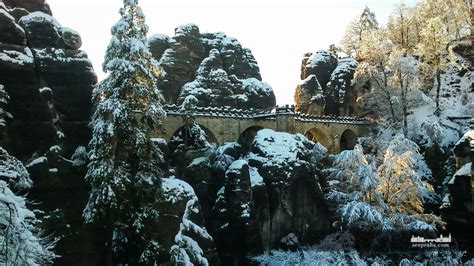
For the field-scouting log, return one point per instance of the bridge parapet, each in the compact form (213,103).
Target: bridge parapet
(225,124)
(266,114)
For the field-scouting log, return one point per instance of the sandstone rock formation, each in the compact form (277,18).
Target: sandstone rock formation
(273,191)
(48,79)
(458,204)
(326,85)
(29,5)
(185,238)
(49,82)
(212,67)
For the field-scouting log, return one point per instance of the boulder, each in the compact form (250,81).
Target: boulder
(71,38)
(214,87)
(209,75)
(462,149)
(38,55)
(62,214)
(18,13)
(284,163)
(27,107)
(41,29)
(199,175)
(158,44)
(339,90)
(70,76)
(10,31)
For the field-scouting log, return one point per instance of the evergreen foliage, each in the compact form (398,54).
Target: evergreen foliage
(124,171)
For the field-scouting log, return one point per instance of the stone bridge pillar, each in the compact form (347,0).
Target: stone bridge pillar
(285,119)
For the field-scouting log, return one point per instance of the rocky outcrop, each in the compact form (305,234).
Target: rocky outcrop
(29,5)
(458,204)
(49,82)
(48,78)
(210,66)
(326,85)
(256,192)
(269,193)
(61,214)
(185,240)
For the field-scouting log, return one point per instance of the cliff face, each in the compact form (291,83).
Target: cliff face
(49,82)
(213,67)
(48,78)
(326,85)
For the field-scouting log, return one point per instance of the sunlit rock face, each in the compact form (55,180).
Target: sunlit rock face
(326,85)
(48,78)
(213,67)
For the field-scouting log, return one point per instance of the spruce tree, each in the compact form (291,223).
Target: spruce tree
(124,172)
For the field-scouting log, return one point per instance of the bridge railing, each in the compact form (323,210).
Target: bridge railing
(287,110)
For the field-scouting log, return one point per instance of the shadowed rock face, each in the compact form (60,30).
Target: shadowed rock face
(48,78)
(212,67)
(326,85)
(29,5)
(49,81)
(270,192)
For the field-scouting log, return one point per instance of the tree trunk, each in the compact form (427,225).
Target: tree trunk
(392,111)
(108,243)
(389,96)
(404,90)
(438,90)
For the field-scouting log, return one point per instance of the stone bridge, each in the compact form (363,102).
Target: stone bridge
(223,124)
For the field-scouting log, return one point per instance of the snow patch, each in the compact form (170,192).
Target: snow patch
(16,57)
(39,17)
(175,190)
(39,160)
(255,178)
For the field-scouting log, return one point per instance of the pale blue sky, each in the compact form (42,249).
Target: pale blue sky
(278,32)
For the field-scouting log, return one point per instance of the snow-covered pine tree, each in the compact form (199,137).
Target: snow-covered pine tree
(124,171)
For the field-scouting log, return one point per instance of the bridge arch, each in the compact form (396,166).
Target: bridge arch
(247,136)
(317,134)
(348,140)
(182,133)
